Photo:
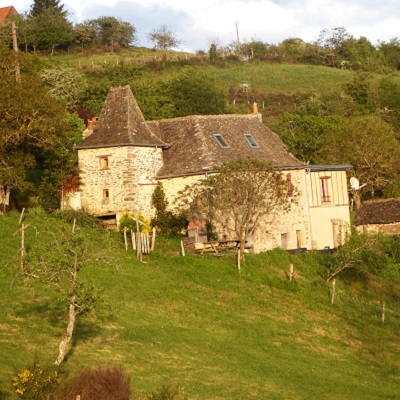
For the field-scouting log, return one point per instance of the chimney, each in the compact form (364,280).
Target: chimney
(90,127)
(255,111)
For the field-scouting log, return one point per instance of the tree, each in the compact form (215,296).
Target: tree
(59,265)
(369,144)
(364,252)
(194,93)
(112,31)
(306,135)
(53,29)
(84,34)
(239,196)
(32,124)
(163,38)
(65,84)
(42,6)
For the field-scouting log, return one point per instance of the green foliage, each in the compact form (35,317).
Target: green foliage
(81,218)
(127,220)
(111,31)
(163,38)
(166,221)
(65,84)
(194,93)
(239,196)
(33,126)
(306,136)
(364,252)
(36,382)
(167,393)
(370,145)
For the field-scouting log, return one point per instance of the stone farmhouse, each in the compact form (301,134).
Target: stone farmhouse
(379,216)
(123,157)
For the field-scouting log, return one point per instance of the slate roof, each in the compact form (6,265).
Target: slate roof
(194,148)
(386,211)
(7,12)
(120,123)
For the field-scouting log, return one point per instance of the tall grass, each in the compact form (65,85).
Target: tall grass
(197,322)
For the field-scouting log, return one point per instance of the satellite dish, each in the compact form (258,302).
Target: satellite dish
(354,183)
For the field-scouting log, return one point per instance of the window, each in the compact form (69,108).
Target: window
(106,194)
(104,162)
(223,143)
(251,141)
(325,182)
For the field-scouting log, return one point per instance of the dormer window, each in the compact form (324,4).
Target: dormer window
(222,142)
(251,141)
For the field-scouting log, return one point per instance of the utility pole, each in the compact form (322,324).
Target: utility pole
(238,41)
(15,47)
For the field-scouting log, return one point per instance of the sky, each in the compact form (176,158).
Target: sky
(197,23)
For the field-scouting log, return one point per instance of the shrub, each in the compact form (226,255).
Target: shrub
(36,382)
(126,222)
(82,218)
(96,384)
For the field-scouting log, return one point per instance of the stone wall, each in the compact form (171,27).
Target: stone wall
(118,179)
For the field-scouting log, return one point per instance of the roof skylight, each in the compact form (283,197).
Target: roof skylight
(223,143)
(251,141)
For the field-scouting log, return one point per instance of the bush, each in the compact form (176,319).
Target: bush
(81,217)
(126,222)
(36,382)
(96,384)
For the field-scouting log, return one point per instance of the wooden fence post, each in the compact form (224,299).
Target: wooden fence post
(183,249)
(383,312)
(125,240)
(238,260)
(73,226)
(21,216)
(153,239)
(291,272)
(333,291)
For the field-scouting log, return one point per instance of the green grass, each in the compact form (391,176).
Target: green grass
(197,322)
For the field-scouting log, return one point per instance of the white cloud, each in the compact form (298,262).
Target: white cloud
(271,21)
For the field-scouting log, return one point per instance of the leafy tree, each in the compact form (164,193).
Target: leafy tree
(111,31)
(61,269)
(364,252)
(370,145)
(166,221)
(84,34)
(163,38)
(194,93)
(42,6)
(32,124)
(65,84)
(239,196)
(306,135)
(391,52)
(53,29)
(254,48)
(212,53)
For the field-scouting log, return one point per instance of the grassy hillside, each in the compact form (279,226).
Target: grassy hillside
(197,322)
(264,77)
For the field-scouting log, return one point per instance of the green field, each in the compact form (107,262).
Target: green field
(196,322)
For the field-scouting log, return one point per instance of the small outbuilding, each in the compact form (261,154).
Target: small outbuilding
(379,216)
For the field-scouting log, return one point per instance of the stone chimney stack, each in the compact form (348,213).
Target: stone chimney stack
(90,127)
